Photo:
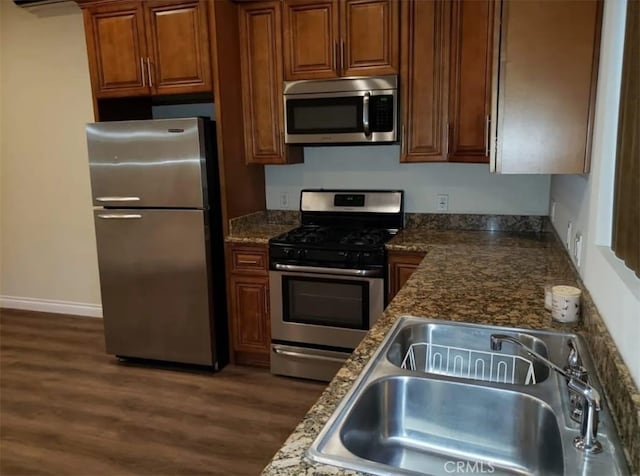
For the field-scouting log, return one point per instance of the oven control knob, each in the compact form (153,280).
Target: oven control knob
(287,252)
(352,258)
(302,254)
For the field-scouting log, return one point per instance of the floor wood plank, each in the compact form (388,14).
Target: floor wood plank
(67,408)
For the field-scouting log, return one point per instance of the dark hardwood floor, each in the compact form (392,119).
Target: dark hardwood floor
(67,408)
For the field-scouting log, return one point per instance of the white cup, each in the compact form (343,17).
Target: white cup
(548,297)
(565,303)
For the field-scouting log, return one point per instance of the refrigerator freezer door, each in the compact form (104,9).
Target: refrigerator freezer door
(156,163)
(154,282)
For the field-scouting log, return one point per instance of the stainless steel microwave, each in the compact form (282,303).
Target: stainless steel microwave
(346,110)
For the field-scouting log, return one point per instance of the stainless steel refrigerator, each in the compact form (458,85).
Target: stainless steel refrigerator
(158,231)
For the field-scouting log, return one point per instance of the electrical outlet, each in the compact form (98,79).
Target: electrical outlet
(443,202)
(552,211)
(577,248)
(284,199)
(569,235)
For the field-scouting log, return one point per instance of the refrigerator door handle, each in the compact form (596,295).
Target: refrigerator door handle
(119,216)
(117,199)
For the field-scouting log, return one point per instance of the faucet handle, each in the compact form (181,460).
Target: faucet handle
(574,358)
(574,363)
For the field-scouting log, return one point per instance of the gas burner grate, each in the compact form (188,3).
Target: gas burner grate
(366,237)
(307,235)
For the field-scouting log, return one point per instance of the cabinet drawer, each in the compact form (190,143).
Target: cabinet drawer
(249,260)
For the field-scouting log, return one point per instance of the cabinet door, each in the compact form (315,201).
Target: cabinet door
(401,267)
(369,37)
(116,49)
(310,39)
(548,63)
(178,41)
(261,67)
(251,324)
(470,80)
(424,80)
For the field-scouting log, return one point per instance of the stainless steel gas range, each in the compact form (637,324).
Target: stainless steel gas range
(328,278)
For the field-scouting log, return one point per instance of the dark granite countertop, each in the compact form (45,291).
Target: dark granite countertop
(473,276)
(258,228)
(257,234)
(423,240)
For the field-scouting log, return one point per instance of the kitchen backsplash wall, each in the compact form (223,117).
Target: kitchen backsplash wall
(470,187)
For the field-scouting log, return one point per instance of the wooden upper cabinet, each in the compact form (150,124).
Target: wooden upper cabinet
(311,39)
(470,80)
(547,56)
(446,91)
(370,37)
(261,70)
(332,38)
(138,48)
(424,80)
(178,43)
(117,47)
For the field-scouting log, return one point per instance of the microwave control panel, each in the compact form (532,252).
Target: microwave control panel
(381,111)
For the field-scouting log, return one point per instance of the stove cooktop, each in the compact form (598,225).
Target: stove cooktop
(331,247)
(329,237)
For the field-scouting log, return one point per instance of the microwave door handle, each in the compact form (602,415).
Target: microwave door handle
(365,113)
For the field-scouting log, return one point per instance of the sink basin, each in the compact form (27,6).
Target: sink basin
(421,425)
(463,351)
(414,415)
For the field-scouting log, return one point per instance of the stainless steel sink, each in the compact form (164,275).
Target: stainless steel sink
(414,420)
(425,425)
(463,351)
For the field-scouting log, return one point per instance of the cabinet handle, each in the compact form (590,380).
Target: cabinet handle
(342,55)
(446,145)
(335,55)
(402,141)
(243,261)
(487,134)
(144,82)
(149,72)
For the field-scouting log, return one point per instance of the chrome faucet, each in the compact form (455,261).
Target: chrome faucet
(587,441)
(575,369)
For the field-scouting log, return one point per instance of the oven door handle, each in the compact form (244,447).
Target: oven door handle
(300,355)
(320,270)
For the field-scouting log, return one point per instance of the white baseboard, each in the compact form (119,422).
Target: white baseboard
(49,305)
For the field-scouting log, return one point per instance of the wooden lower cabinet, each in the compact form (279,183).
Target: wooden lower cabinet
(248,304)
(401,266)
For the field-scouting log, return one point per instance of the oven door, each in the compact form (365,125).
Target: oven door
(320,309)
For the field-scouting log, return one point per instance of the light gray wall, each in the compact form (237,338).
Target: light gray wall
(471,188)
(47,237)
(587,201)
